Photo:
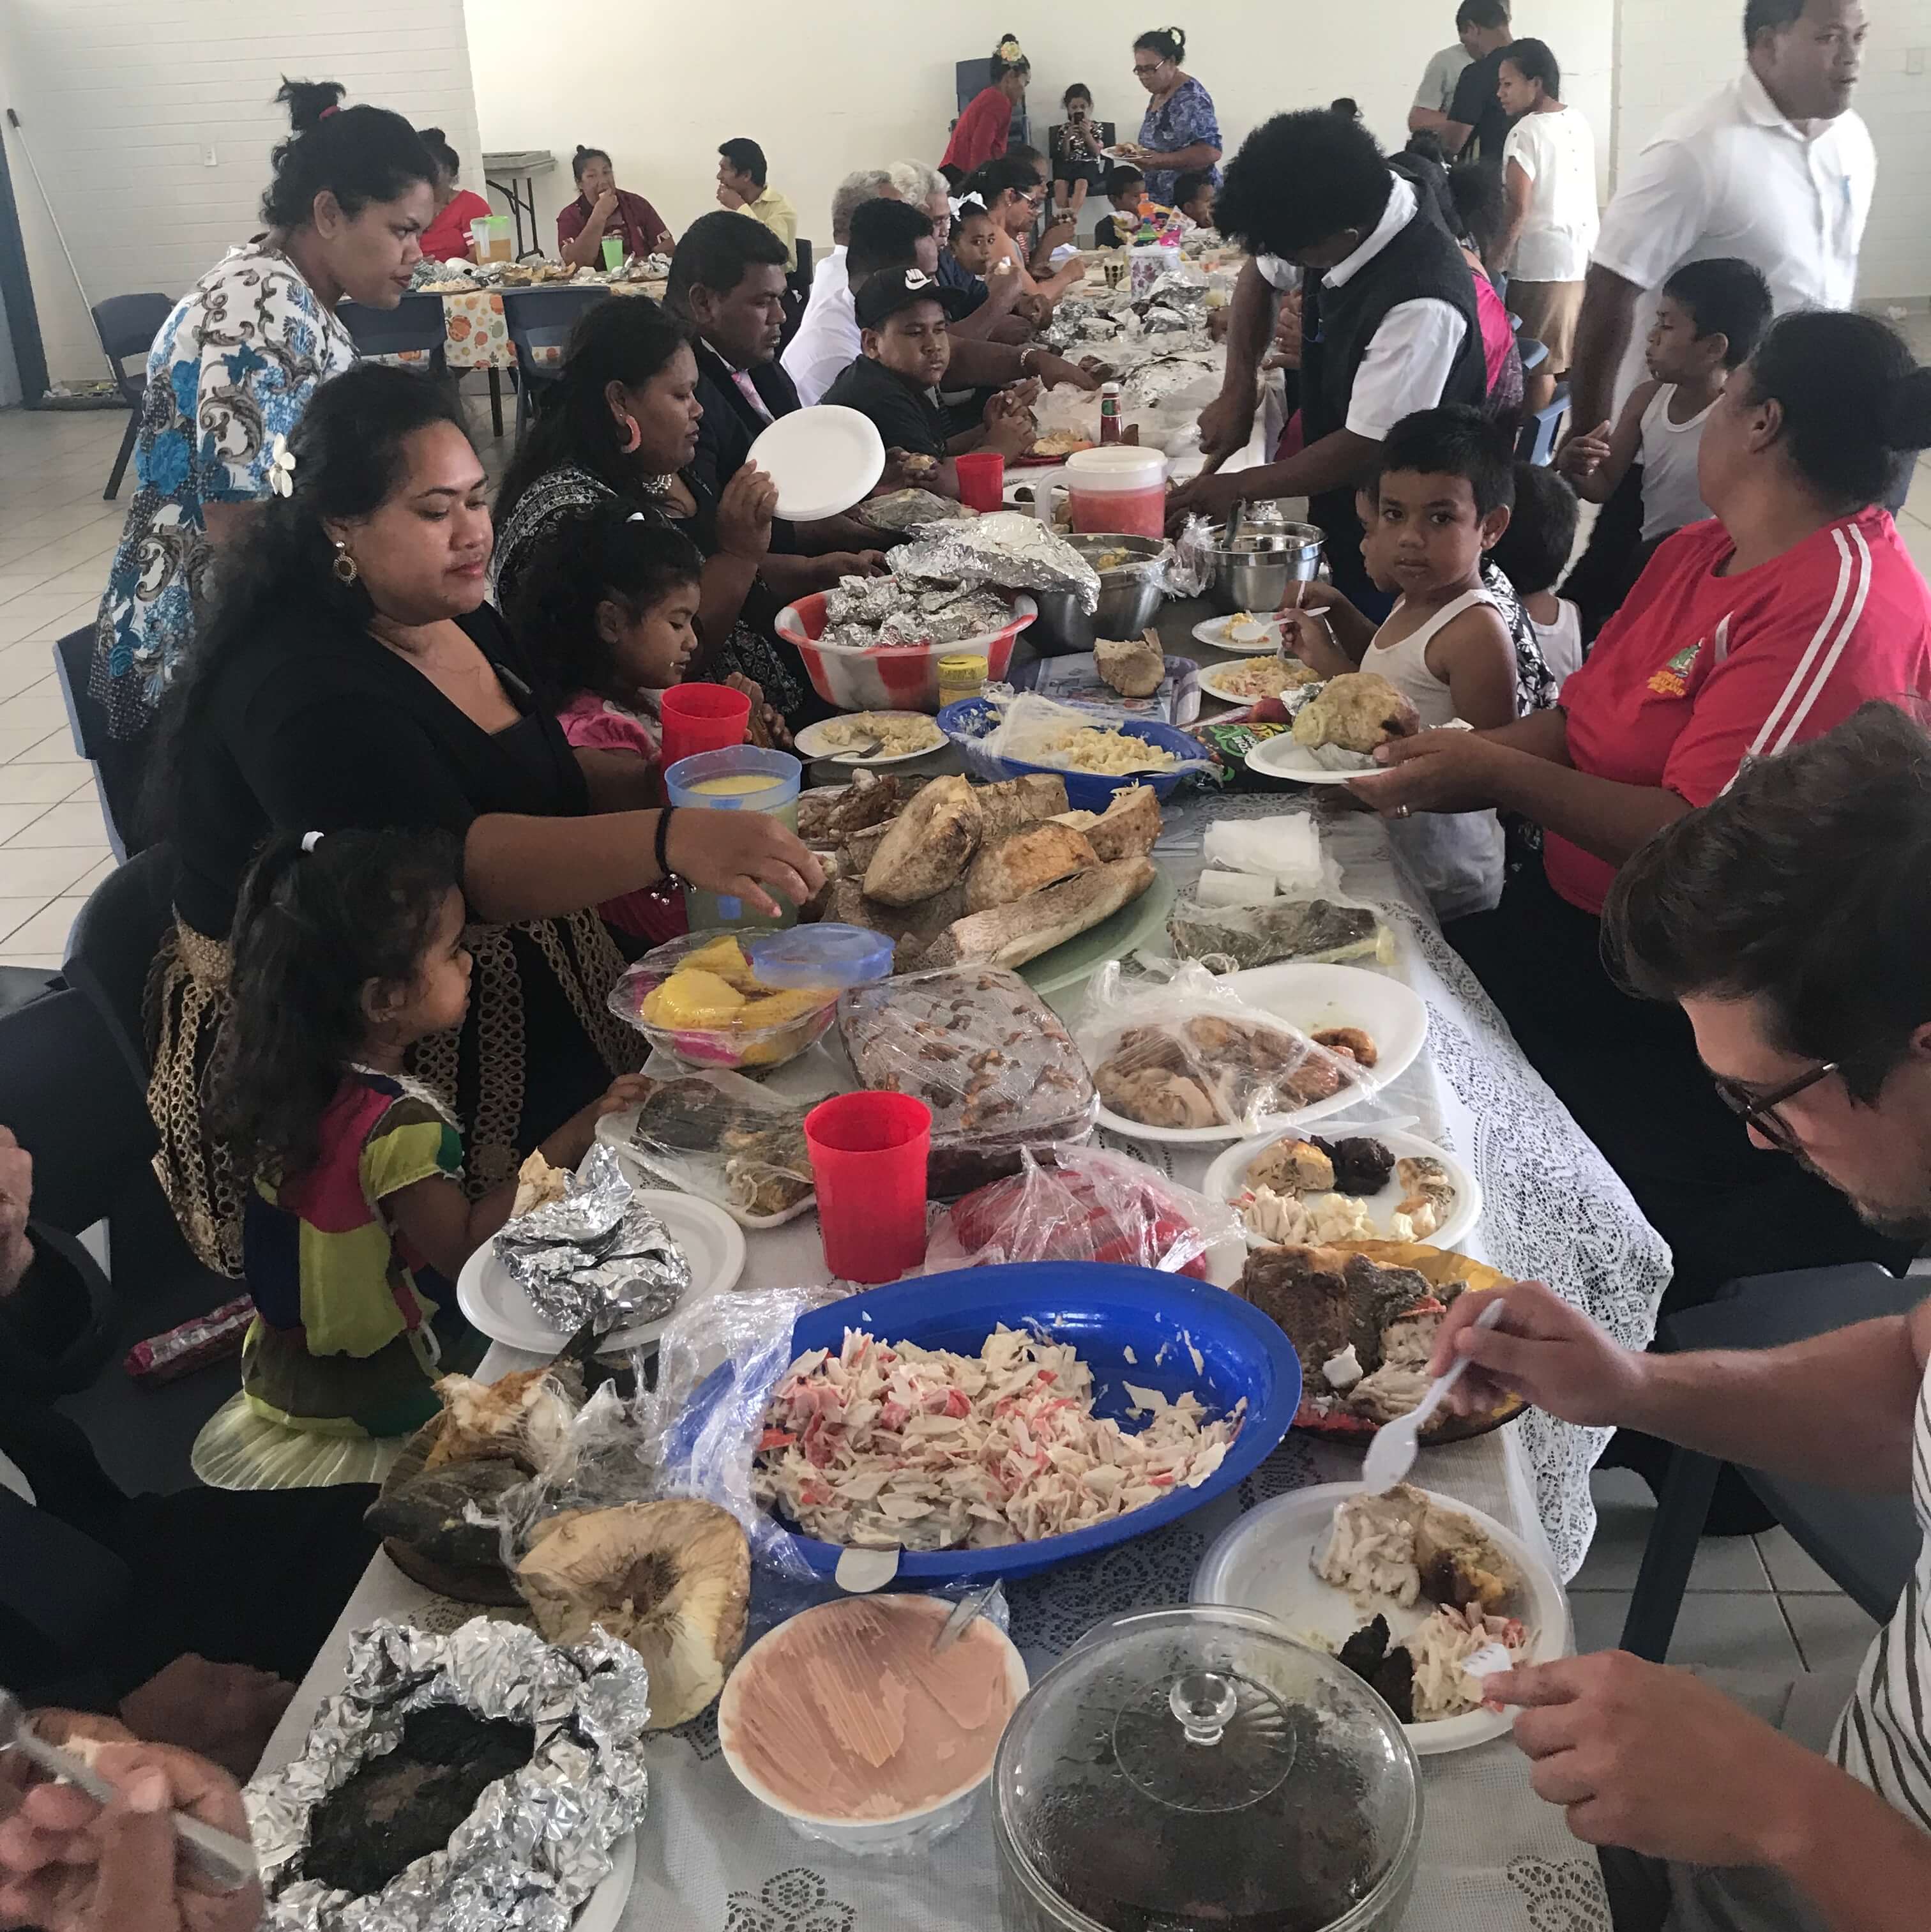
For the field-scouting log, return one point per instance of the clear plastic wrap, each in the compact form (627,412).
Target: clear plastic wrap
(1035,731)
(599,1459)
(1083,1204)
(1325,930)
(993,1062)
(1187,1053)
(1287,848)
(725,1139)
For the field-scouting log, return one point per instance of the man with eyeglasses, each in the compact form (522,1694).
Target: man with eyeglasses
(1791,919)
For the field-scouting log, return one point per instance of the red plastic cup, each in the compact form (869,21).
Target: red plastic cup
(868,1154)
(703,718)
(981,474)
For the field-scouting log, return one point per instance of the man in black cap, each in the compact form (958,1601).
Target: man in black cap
(905,317)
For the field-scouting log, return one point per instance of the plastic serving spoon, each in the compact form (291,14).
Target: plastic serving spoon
(1392,1453)
(227,1862)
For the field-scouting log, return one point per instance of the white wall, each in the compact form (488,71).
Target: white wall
(123,101)
(1674,55)
(828,88)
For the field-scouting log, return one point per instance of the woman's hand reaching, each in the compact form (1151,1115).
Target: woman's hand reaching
(740,854)
(745,507)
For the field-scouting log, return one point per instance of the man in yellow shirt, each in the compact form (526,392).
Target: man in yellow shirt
(742,185)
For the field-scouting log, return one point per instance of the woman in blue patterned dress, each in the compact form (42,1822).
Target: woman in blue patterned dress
(230,373)
(1181,132)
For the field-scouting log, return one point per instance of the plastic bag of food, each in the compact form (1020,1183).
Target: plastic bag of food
(1034,731)
(1262,928)
(1187,1053)
(727,1140)
(1083,1204)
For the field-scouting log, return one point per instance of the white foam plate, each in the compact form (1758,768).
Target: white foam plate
(1213,631)
(823,460)
(1266,1562)
(603,1911)
(811,742)
(615,1130)
(1211,677)
(1310,998)
(1226,1179)
(1281,757)
(488,1294)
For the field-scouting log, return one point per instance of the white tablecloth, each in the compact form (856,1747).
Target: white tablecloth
(1494,1859)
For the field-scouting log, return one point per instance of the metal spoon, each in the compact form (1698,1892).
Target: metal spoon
(227,1862)
(1392,1453)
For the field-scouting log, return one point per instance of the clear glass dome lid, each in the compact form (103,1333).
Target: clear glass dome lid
(1200,1766)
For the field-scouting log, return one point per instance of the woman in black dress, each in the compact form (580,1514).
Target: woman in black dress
(351,675)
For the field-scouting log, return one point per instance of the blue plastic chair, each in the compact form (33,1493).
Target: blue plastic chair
(127,326)
(539,321)
(87,720)
(415,326)
(1536,443)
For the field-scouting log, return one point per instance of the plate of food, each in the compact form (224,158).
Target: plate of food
(1289,1186)
(1336,733)
(1363,1316)
(1054,448)
(494,1304)
(1406,1588)
(1244,631)
(898,735)
(1259,678)
(1154,1392)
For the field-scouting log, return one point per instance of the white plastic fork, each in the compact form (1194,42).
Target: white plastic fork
(1392,1453)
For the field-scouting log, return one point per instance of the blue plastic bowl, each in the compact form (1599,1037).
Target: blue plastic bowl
(1103,1311)
(969,722)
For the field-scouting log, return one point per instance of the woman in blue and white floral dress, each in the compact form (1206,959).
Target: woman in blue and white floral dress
(229,374)
(1181,132)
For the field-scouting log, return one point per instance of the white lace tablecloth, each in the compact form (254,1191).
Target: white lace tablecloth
(1494,1859)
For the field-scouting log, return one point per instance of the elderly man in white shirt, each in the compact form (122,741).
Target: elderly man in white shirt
(1389,325)
(827,337)
(1776,170)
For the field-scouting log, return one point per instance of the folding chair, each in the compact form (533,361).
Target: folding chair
(87,720)
(127,326)
(539,321)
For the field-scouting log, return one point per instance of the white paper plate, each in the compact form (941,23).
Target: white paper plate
(1210,676)
(615,1130)
(1281,757)
(1226,1179)
(1265,1562)
(1213,631)
(823,460)
(603,1911)
(488,1294)
(1310,998)
(811,742)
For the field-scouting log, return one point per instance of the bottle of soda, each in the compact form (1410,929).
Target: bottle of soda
(1109,412)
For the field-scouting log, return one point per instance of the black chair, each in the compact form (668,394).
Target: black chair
(797,294)
(87,720)
(538,322)
(415,325)
(127,326)
(113,942)
(1866,1544)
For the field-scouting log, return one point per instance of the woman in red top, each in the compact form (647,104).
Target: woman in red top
(1754,631)
(447,238)
(601,208)
(979,134)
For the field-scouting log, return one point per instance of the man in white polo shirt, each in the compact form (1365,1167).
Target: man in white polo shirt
(1776,169)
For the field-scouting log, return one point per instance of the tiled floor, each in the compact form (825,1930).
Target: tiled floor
(1754,1602)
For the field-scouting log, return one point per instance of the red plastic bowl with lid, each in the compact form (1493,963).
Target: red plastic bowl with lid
(890,677)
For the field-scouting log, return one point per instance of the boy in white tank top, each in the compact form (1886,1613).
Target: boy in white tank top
(1437,506)
(1711,316)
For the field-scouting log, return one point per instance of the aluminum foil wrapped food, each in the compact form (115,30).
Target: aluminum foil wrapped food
(599,1254)
(1008,548)
(1166,376)
(864,612)
(1183,289)
(537,1842)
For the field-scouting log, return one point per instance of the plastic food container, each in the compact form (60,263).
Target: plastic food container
(751,1047)
(1147,262)
(967,724)
(1199,1766)
(889,677)
(782,1687)
(1116,489)
(742,777)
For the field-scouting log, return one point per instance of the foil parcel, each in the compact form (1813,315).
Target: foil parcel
(1008,548)
(598,1255)
(537,1843)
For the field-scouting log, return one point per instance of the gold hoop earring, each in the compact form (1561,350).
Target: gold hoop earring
(344,565)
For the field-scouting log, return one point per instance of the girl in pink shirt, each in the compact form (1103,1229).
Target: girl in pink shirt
(606,608)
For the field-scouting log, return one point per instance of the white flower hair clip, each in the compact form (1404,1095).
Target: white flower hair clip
(965,201)
(281,467)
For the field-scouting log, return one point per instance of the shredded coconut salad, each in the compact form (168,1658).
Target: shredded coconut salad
(912,1448)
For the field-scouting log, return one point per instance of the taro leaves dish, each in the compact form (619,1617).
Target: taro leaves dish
(1325,1309)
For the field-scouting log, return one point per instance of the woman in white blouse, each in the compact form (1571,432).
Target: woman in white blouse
(1548,167)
